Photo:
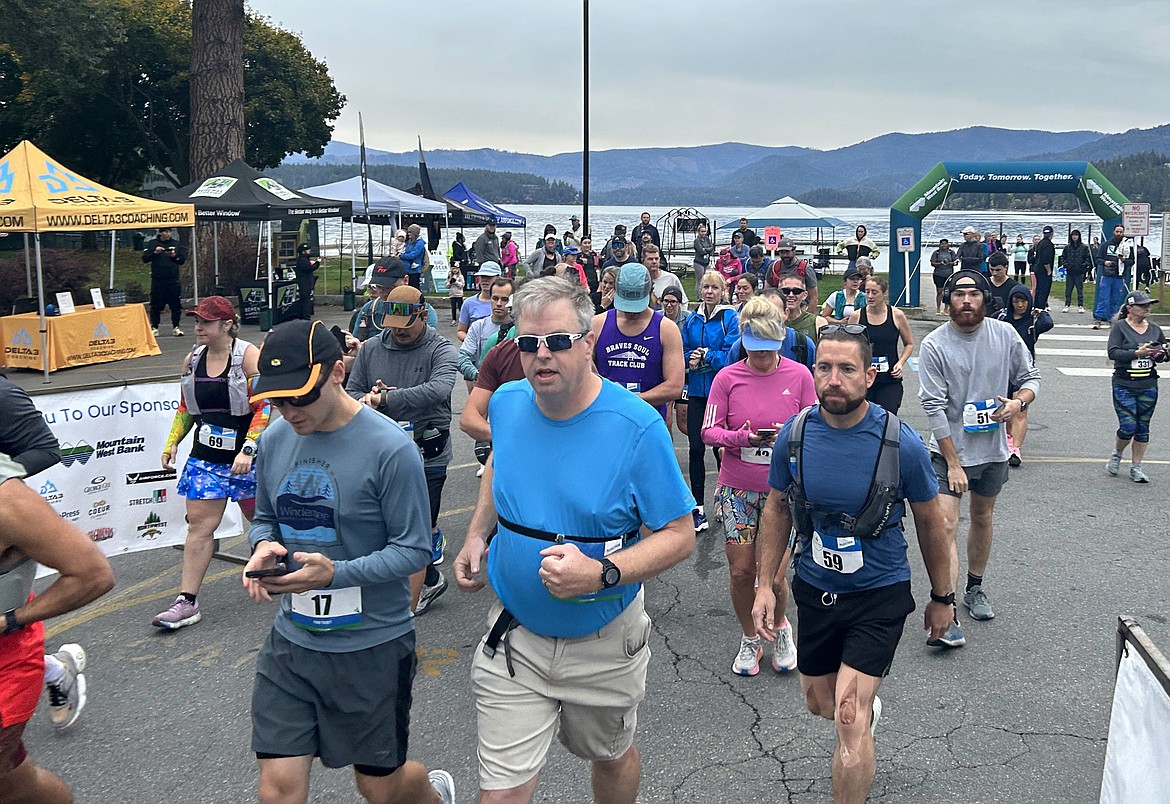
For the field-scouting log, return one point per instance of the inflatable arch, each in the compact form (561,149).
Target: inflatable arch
(1079,178)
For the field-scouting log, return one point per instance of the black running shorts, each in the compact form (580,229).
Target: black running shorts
(985,479)
(860,629)
(347,708)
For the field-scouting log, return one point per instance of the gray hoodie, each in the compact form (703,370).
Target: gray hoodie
(422,375)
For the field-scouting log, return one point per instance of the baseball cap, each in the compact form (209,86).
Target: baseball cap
(387,272)
(756,251)
(553,235)
(1139,298)
(671,290)
(292,358)
(1047,230)
(574,218)
(302,247)
(618,242)
(851,273)
(970,230)
(632,294)
(214,308)
(403,306)
(785,245)
(572,250)
(753,343)
(489,268)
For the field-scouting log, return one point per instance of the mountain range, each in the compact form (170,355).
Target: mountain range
(874,171)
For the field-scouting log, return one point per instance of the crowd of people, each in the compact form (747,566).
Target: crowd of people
(780,389)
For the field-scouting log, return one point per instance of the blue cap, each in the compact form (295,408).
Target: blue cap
(571,250)
(632,294)
(752,343)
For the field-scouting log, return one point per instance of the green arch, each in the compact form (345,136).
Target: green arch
(1081,179)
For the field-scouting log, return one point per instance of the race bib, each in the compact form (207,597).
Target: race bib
(839,555)
(882,364)
(977,416)
(757,455)
(635,387)
(1141,364)
(407,426)
(327,609)
(217,437)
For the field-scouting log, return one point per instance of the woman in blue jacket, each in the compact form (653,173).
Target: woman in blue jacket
(708,335)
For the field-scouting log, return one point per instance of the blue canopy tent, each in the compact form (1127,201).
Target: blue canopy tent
(464,197)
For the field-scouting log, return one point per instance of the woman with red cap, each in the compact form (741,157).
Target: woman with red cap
(214,402)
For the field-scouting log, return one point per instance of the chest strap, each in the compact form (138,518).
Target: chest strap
(559,538)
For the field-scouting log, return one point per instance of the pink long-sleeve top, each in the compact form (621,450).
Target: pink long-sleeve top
(740,394)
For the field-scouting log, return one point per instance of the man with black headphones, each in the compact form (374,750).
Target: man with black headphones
(964,368)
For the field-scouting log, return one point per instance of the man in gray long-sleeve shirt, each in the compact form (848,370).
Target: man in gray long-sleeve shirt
(966,369)
(341,506)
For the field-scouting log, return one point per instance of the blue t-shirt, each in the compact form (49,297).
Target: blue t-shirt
(474,309)
(858,564)
(603,473)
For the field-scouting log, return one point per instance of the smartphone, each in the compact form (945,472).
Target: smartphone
(279,569)
(767,432)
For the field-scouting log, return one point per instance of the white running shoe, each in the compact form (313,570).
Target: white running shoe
(67,695)
(479,471)
(1065,310)
(877,715)
(747,661)
(783,650)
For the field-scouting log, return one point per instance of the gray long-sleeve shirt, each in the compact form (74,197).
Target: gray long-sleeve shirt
(956,368)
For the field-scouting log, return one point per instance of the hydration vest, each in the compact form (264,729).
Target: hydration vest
(883,488)
(237,382)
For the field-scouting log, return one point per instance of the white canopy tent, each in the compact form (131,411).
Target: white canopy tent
(788,213)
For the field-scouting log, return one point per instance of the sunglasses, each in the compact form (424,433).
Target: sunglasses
(556,341)
(302,401)
(856,330)
(791,291)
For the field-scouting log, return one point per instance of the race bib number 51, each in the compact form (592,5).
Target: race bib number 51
(977,416)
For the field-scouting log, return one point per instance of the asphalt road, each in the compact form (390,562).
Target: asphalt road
(1020,714)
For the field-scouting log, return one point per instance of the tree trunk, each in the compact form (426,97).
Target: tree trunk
(217,96)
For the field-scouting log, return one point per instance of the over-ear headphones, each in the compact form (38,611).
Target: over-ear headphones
(981,282)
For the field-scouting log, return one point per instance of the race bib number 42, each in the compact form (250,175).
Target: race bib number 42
(839,555)
(757,455)
(327,609)
(977,416)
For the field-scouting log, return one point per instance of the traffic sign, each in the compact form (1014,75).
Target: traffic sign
(905,239)
(1135,218)
(771,238)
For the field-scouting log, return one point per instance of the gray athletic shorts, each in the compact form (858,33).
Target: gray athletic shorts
(347,708)
(984,479)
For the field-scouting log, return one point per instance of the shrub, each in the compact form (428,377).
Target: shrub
(62,270)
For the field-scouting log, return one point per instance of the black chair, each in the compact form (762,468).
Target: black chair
(25,304)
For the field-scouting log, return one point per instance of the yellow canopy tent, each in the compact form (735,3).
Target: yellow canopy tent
(39,194)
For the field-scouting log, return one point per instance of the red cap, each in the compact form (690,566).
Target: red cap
(214,308)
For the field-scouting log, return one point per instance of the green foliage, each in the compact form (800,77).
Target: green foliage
(63,269)
(498,187)
(103,86)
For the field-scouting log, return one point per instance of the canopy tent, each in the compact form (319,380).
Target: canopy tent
(383,199)
(239,192)
(788,213)
(38,194)
(464,197)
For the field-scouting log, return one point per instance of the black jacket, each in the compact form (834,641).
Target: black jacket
(164,266)
(1076,258)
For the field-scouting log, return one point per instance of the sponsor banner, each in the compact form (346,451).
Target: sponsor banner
(110,482)
(86,336)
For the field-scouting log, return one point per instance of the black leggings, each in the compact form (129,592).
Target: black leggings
(696,407)
(456,306)
(1021,270)
(1074,281)
(886,394)
(165,294)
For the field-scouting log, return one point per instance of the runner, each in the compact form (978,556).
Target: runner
(32,533)
(1001,285)
(943,263)
(797,314)
(213,401)
(480,305)
(566,653)
(407,375)
(1030,323)
(636,347)
(964,367)
(884,327)
(852,584)
(843,303)
(750,401)
(707,335)
(1135,345)
(334,677)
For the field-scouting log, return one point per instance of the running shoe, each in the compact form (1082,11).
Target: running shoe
(1066,309)
(178,333)
(700,520)
(479,471)
(953,638)
(444,785)
(438,545)
(1014,458)
(975,599)
(430,594)
(181,614)
(67,694)
(1138,475)
(1081,310)
(1114,465)
(783,651)
(154,331)
(877,715)
(747,662)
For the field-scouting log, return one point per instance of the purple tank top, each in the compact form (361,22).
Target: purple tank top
(632,361)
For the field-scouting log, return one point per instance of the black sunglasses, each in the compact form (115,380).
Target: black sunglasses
(304,400)
(857,330)
(556,341)
(792,291)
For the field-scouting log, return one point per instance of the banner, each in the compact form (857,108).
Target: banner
(110,482)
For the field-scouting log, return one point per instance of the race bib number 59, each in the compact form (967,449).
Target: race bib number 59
(839,555)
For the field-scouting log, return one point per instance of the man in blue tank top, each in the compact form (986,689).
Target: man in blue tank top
(589,501)
(636,347)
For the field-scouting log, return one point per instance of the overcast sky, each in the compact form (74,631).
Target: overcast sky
(818,73)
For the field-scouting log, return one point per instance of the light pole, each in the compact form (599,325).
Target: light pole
(585,136)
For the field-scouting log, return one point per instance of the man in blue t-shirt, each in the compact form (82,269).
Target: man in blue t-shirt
(852,592)
(589,501)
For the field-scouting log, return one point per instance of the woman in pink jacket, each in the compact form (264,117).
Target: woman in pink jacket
(509,255)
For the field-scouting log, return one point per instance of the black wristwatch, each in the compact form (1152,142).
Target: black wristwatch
(248,450)
(610,574)
(11,624)
(1023,404)
(946,600)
